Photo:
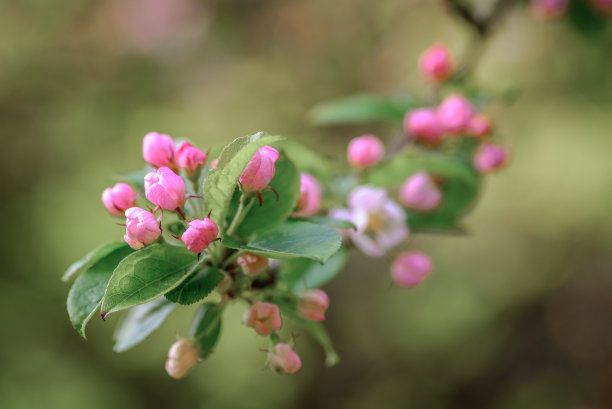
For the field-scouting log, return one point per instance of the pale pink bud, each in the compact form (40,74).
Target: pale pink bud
(188,157)
(284,360)
(252,264)
(420,192)
(436,63)
(605,6)
(141,229)
(490,157)
(165,189)
(119,198)
(182,356)
(158,149)
(260,170)
(548,9)
(263,317)
(480,126)
(455,113)
(313,305)
(311,194)
(200,234)
(423,124)
(365,151)
(410,268)
(214,163)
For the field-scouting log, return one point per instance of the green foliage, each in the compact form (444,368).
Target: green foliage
(328,221)
(221,182)
(206,328)
(586,19)
(307,160)
(139,322)
(273,212)
(362,109)
(290,240)
(301,274)
(87,291)
(196,287)
(458,182)
(93,257)
(146,275)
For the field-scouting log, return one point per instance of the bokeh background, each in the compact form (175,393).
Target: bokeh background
(518,313)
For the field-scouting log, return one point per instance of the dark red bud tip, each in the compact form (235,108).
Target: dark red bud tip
(259,197)
(275,192)
(103,315)
(179,211)
(176,237)
(217,239)
(193,196)
(199,256)
(209,213)
(121,224)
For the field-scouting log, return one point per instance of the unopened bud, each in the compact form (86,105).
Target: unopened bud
(188,157)
(263,317)
(200,234)
(165,189)
(548,9)
(158,149)
(490,157)
(284,360)
(423,124)
(410,268)
(182,356)
(313,305)
(260,170)
(141,229)
(118,199)
(252,264)
(436,63)
(420,192)
(365,151)
(311,194)
(455,113)
(480,126)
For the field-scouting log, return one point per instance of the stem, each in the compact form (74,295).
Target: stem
(246,202)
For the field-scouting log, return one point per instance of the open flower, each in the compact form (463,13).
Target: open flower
(380,222)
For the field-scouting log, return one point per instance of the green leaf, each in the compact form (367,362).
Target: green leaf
(135,178)
(87,291)
(290,240)
(206,327)
(93,257)
(307,160)
(301,274)
(586,19)
(362,109)
(459,184)
(146,275)
(221,182)
(196,287)
(273,212)
(140,322)
(328,221)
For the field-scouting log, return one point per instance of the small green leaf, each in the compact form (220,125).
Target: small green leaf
(273,212)
(146,275)
(92,258)
(196,287)
(362,109)
(135,178)
(87,291)
(302,274)
(206,328)
(221,182)
(328,221)
(458,181)
(290,240)
(140,322)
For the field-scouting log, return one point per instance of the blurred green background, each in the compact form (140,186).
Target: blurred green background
(516,315)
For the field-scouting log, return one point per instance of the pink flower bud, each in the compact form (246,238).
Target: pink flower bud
(263,317)
(436,63)
(158,149)
(455,113)
(410,268)
(420,192)
(252,264)
(480,126)
(214,163)
(182,356)
(490,157)
(200,234)
(142,228)
(605,6)
(284,360)
(165,189)
(548,9)
(260,170)
(365,151)
(310,196)
(313,304)
(119,198)
(188,157)
(423,124)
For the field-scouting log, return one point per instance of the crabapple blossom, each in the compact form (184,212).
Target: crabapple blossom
(548,9)
(455,113)
(182,356)
(252,264)
(263,317)
(284,360)
(189,157)
(410,268)
(165,189)
(118,199)
(436,63)
(423,124)
(490,157)
(260,169)
(420,192)
(142,228)
(365,151)
(480,126)
(200,234)
(158,149)
(313,304)
(311,194)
